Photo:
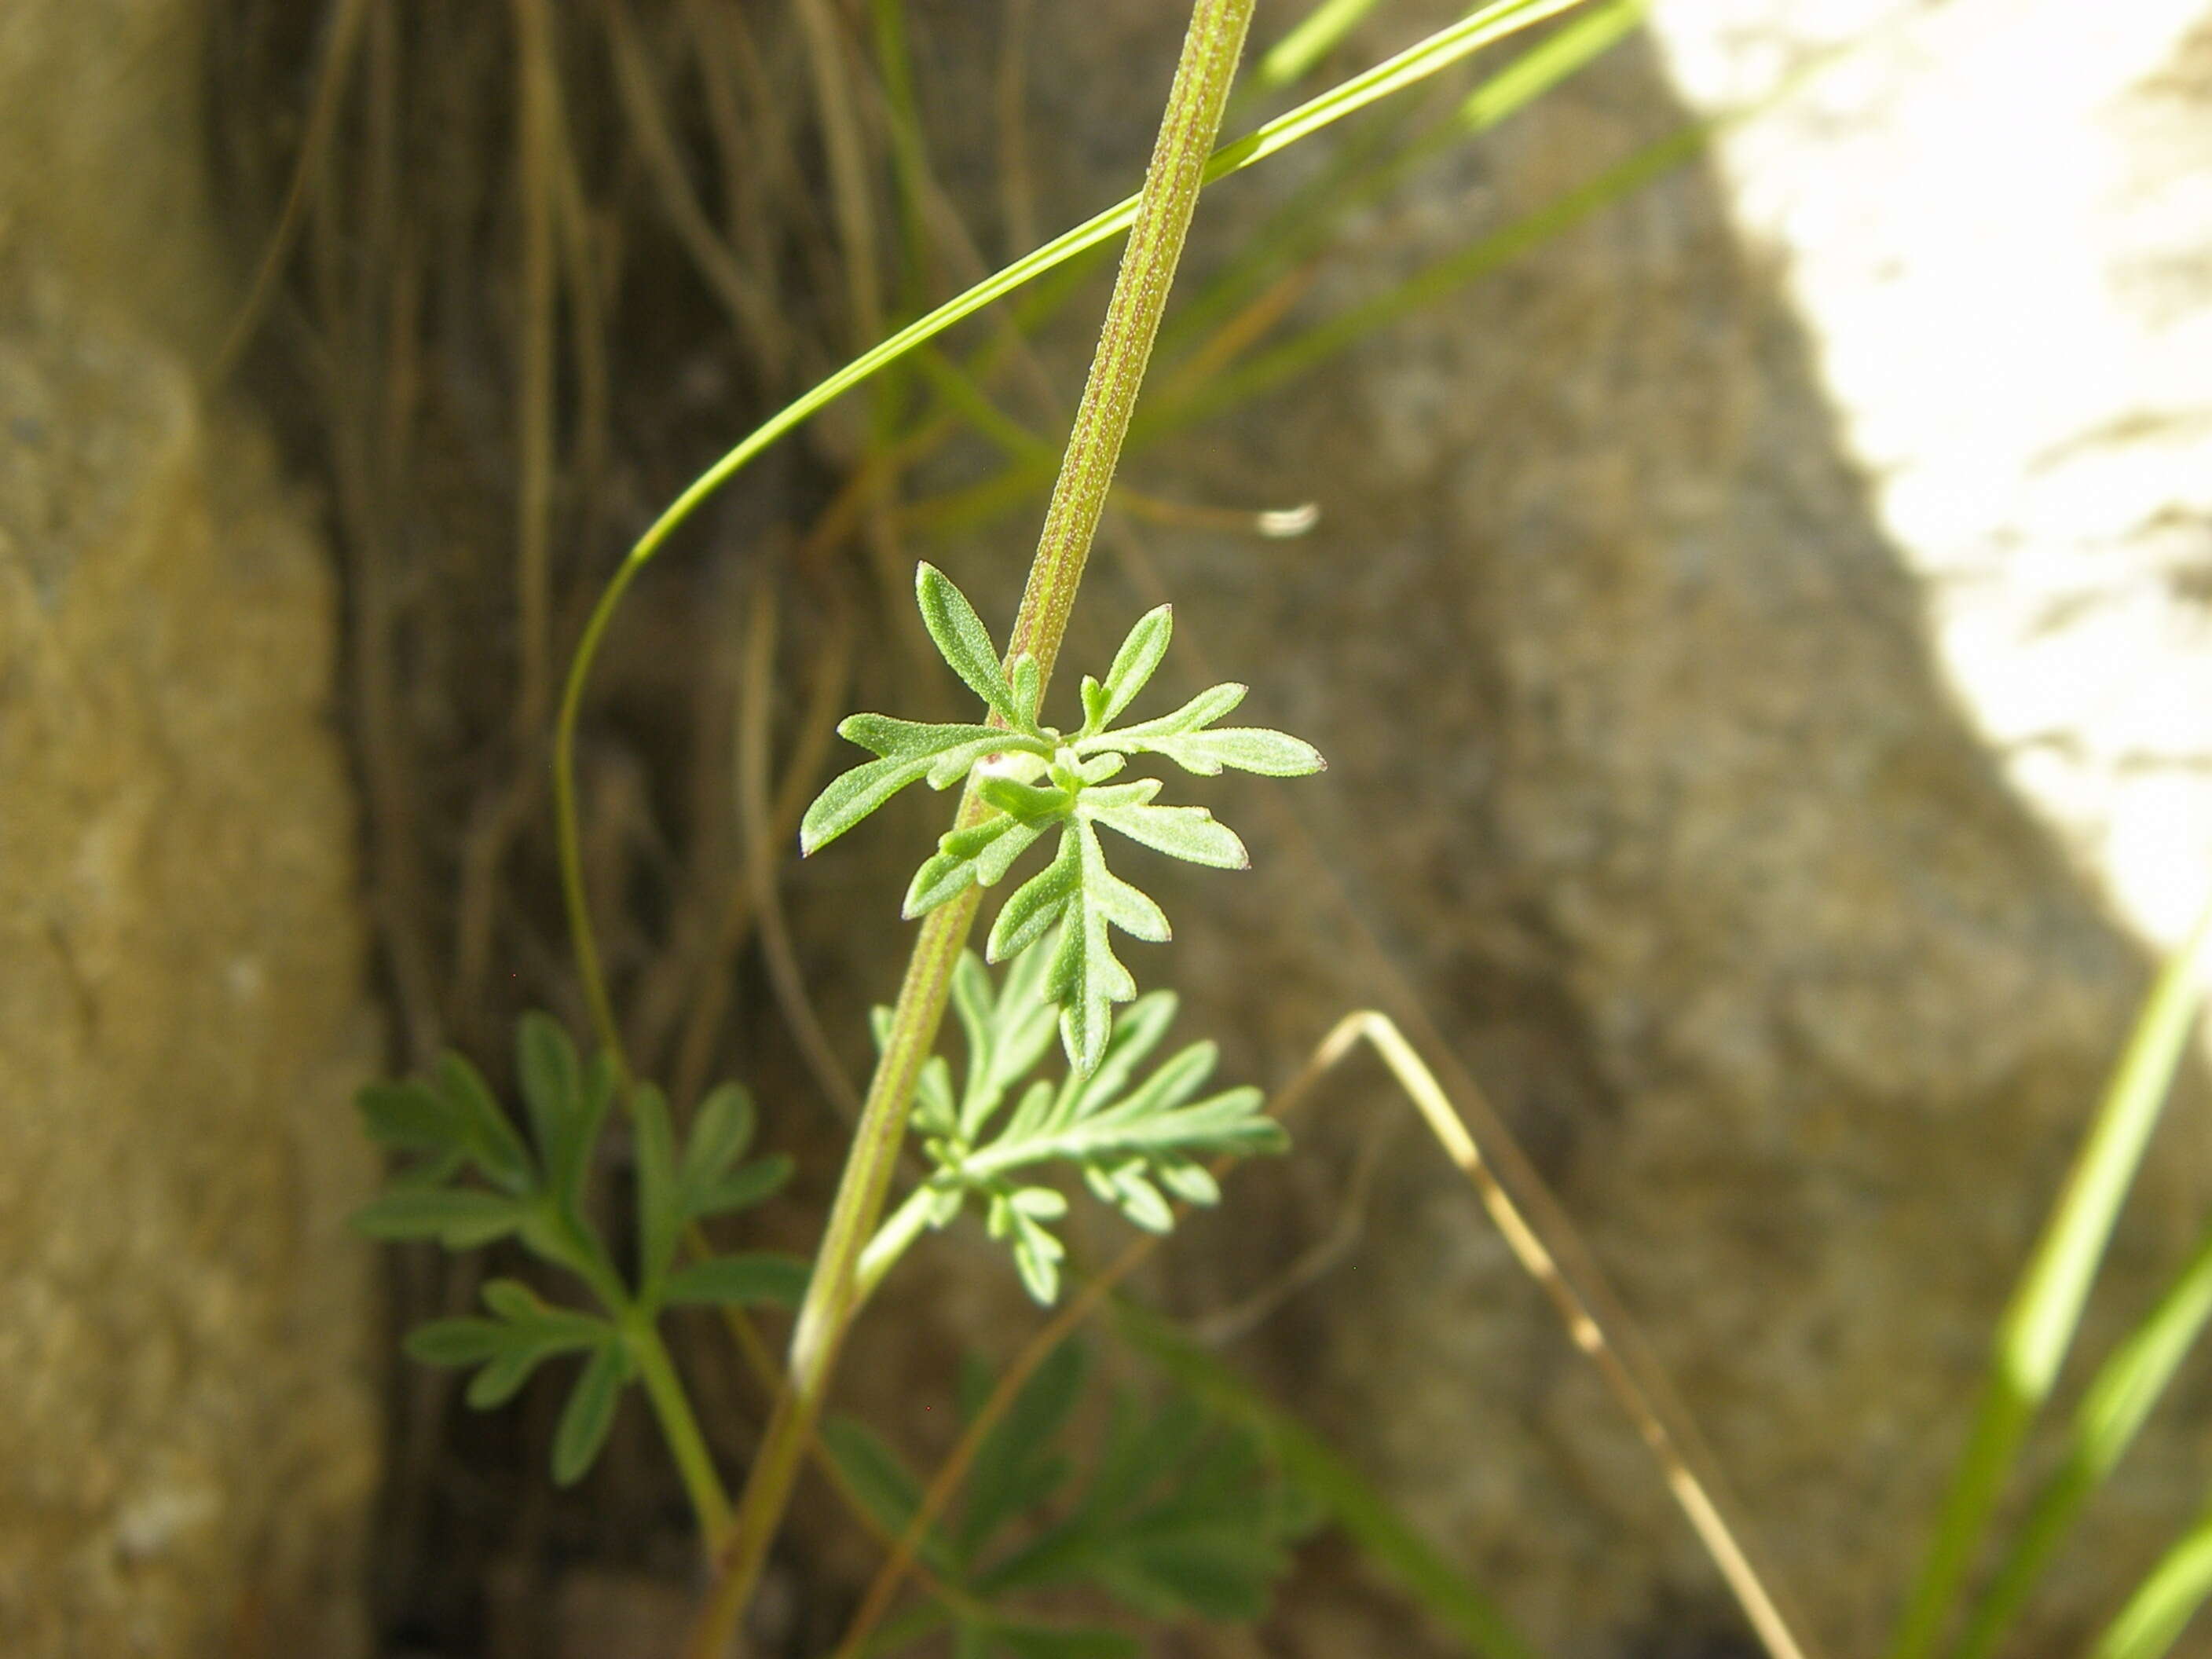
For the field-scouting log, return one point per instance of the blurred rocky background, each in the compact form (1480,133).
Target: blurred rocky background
(189,1364)
(1758,617)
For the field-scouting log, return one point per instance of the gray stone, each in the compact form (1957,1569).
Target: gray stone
(188,1419)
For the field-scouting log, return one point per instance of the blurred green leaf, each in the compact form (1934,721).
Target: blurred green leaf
(460,1219)
(744,1280)
(409,1116)
(1016,1467)
(660,1218)
(552,1082)
(589,1414)
(497,1149)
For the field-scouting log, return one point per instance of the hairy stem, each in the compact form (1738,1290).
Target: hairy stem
(1419,61)
(1200,90)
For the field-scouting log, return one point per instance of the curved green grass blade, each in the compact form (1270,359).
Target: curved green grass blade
(2131,1383)
(1319,32)
(2165,1602)
(2038,1324)
(1425,58)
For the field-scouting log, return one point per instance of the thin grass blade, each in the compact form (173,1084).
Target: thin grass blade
(2038,1325)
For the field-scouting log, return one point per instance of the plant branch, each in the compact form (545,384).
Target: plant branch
(1195,100)
(679,1428)
(1424,58)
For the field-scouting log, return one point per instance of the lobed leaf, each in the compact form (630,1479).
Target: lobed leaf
(569,1163)
(552,1080)
(746,1281)
(460,1219)
(1189,833)
(721,1129)
(410,1117)
(1133,666)
(589,1413)
(1086,979)
(1016,1468)
(851,796)
(493,1144)
(1051,1641)
(963,642)
(660,1215)
(1246,748)
(1202,710)
(742,1188)
(980,855)
(1029,912)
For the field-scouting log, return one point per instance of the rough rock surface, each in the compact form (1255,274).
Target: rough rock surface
(187,1408)
(1685,841)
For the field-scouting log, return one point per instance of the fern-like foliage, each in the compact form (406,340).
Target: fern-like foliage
(1136,1141)
(1177,1516)
(1034,778)
(534,1191)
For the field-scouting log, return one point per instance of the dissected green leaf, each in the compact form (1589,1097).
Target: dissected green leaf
(1018,1467)
(1189,833)
(1135,1142)
(1038,1254)
(721,1129)
(1133,666)
(1051,1641)
(1178,1518)
(460,1218)
(1319,1481)
(746,1280)
(569,1163)
(1247,748)
(552,1081)
(496,1148)
(851,796)
(880,1478)
(659,1213)
(590,1413)
(410,1117)
(1032,908)
(978,856)
(458,1341)
(526,1332)
(1201,711)
(742,1188)
(963,642)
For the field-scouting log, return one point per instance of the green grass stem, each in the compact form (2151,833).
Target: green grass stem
(2038,1323)
(2127,1388)
(1199,92)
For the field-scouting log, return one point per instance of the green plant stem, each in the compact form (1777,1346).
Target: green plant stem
(679,1428)
(1204,73)
(2038,1324)
(1417,63)
(906,1224)
(671,1407)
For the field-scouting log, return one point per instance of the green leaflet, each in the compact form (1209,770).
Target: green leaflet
(535,1192)
(590,1413)
(1032,779)
(1135,1141)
